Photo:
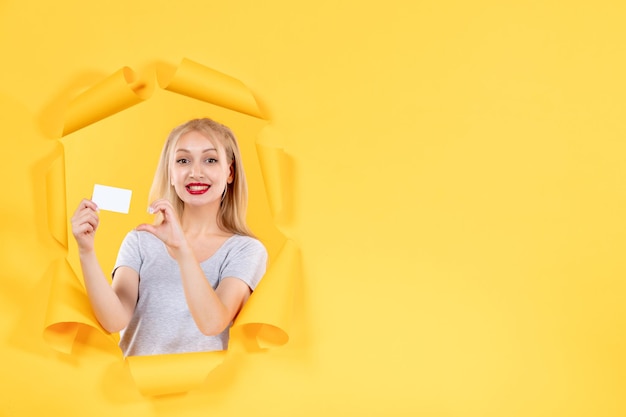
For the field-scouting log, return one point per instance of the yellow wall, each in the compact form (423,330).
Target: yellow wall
(457,198)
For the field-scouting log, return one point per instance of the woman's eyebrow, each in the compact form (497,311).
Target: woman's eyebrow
(203,151)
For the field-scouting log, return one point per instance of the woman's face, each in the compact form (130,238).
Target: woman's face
(200,169)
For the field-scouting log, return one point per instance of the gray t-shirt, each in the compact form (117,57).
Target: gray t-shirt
(162,322)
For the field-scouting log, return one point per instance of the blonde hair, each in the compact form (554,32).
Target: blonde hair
(231,216)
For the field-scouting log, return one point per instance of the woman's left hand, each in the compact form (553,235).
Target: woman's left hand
(169,230)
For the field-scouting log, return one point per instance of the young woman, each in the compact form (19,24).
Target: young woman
(179,283)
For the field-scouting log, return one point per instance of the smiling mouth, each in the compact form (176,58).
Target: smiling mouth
(197,188)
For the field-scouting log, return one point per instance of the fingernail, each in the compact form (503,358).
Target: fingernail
(150,210)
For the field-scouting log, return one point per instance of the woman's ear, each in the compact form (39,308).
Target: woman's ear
(231,175)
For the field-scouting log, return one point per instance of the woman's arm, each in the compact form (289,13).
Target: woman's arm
(212,310)
(114,304)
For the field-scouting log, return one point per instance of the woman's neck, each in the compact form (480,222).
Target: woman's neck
(200,221)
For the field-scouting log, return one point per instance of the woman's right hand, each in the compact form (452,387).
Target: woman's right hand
(84,224)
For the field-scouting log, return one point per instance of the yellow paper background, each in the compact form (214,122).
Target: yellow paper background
(457,199)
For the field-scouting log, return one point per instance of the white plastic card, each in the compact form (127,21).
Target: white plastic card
(111,198)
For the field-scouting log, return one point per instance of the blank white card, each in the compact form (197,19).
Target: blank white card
(111,198)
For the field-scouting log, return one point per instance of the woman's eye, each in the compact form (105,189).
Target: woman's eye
(211,160)
(182,161)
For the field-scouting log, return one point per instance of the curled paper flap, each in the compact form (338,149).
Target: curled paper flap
(194,80)
(277,176)
(55,195)
(112,95)
(68,310)
(173,374)
(268,312)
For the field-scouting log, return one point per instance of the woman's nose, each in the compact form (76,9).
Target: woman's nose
(196,170)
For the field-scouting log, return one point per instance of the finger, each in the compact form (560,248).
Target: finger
(83,229)
(85,206)
(86,203)
(160,205)
(86,215)
(91,217)
(170,218)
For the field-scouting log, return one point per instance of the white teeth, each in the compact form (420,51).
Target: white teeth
(197,187)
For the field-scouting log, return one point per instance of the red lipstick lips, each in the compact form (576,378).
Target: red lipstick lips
(196,188)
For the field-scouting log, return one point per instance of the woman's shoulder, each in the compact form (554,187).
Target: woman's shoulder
(142,238)
(237,241)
